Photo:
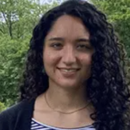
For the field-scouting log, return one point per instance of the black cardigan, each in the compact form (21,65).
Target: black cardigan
(18,117)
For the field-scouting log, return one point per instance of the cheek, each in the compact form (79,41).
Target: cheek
(49,58)
(86,60)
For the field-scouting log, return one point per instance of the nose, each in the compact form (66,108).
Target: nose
(69,56)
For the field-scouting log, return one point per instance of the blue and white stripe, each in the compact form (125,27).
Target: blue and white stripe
(35,125)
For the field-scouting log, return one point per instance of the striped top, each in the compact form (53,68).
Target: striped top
(35,125)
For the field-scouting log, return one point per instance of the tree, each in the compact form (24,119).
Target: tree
(2,106)
(17,20)
(118,13)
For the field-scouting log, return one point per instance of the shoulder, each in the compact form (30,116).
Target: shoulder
(19,107)
(11,115)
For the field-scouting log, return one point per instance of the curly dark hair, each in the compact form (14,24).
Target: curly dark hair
(106,88)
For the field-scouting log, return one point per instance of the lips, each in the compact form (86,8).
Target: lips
(68,71)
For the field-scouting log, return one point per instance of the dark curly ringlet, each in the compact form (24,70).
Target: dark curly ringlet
(106,88)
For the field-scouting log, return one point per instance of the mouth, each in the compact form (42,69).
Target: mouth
(68,71)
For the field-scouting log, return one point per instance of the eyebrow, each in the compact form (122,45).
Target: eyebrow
(82,40)
(62,39)
(56,39)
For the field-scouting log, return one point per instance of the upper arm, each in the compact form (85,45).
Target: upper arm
(7,119)
(4,120)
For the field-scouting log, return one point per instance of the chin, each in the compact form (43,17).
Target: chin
(68,85)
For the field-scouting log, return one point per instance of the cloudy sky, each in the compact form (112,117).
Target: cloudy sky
(51,1)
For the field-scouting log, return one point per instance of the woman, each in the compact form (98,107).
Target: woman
(73,78)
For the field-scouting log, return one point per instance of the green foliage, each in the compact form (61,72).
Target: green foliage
(118,13)
(17,20)
(12,56)
(2,107)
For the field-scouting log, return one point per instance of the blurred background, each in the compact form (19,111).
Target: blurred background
(17,20)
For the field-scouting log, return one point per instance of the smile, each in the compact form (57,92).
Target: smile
(67,72)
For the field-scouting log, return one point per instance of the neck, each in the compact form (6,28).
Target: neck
(61,99)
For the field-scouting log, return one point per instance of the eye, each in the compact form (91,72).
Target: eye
(83,47)
(56,45)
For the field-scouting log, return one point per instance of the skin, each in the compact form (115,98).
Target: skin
(66,46)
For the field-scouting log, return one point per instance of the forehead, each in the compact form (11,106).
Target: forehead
(68,27)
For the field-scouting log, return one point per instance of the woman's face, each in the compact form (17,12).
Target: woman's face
(67,55)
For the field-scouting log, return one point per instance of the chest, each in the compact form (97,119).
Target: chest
(63,120)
